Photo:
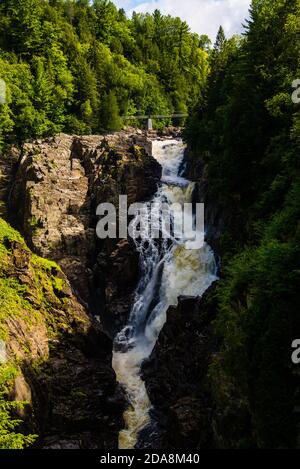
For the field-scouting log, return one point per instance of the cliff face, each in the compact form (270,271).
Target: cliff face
(57,188)
(176,375)
(63,358)
(217,217)
(53,325)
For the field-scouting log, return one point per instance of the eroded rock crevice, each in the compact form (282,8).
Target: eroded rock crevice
(58,185)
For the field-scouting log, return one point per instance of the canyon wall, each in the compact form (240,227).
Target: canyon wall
(70,308)
(60,355)
(57,188)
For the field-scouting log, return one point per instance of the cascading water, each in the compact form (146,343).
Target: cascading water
(168,270)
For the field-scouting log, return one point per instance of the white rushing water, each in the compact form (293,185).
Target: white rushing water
(168,270)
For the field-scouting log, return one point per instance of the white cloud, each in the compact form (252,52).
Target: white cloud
(203,16)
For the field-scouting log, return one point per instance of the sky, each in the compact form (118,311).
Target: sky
(203,16)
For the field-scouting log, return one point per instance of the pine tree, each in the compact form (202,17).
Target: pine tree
(111,114)
(220,40)
(22,25)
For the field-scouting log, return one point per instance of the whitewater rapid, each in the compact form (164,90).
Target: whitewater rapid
(168,270)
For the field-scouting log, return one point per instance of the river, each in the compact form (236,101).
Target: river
(168,270)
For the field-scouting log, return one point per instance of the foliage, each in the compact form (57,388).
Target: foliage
(9,437)
(29,300)
(246,131)
(79,66)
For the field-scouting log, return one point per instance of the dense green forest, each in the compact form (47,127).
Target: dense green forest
(246,130)
(77,66)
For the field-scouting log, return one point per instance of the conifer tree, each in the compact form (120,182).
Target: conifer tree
(110,113)
(220,40)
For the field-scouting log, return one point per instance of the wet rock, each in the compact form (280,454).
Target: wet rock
(176,372)
(62,355)
(58,186)
(217,216)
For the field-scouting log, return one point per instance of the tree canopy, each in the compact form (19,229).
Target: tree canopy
(246,131)
(77,66)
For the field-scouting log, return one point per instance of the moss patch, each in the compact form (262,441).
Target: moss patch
(10,438)
(37,312)
(29,290)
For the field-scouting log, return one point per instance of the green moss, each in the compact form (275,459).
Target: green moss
(13,303)
(33,222)
(58,284)
(10,438)
(78,393)
(44,264)
(138,151)
(32,299)
(48,276)
(33,296)
(7,233)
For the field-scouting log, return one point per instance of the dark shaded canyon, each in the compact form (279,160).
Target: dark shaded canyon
(52,188)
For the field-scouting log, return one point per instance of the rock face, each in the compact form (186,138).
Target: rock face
(176,375)
(58,186)
(62,356)
(217,217)
(52,189)
(8,164)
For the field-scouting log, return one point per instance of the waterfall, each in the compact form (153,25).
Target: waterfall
(168,270)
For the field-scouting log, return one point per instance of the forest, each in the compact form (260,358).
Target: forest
(78,67)
(246,130)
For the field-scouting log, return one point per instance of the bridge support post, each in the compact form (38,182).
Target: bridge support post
(149,124)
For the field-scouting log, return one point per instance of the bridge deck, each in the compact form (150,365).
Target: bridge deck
(158,116)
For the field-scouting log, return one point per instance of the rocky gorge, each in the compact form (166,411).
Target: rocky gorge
(52,188)
(185,410)
(59,355)
(57,188)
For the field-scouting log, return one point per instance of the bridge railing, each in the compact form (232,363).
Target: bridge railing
(156,116)
(149,118)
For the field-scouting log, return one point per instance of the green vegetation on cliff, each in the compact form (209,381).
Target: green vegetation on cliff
(77,66)
(10,438)
(26,297)
(35,308)
(247,132)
